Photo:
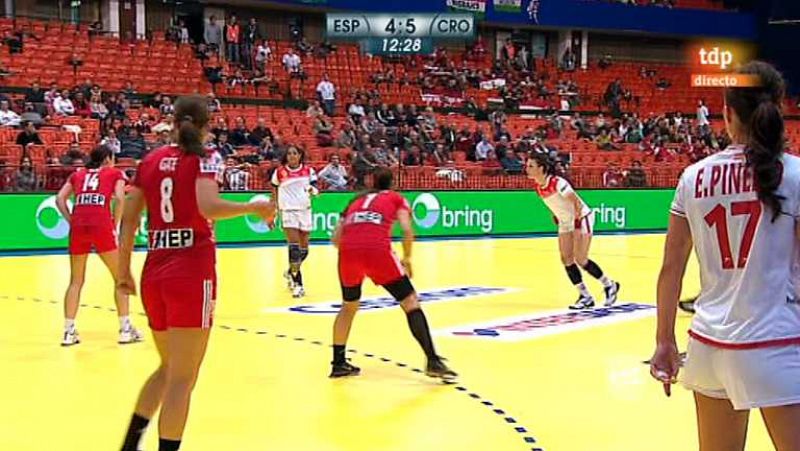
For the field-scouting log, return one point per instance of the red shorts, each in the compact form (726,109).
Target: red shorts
(381,265)
(82,238)
(179,302)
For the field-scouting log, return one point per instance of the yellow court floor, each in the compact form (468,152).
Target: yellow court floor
(532,376)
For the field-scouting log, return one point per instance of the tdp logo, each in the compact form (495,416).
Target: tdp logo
(716,57)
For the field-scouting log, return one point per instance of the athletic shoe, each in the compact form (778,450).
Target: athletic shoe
(437,368)
(611,294)
(129,335)
(583,303)
(298,291)
(687,305)
(70,337)
(344,369)
(289,280)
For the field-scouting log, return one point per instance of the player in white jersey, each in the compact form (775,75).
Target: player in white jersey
(740,210)
(294,184)
(575,223)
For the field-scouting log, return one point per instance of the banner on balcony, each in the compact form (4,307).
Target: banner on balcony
(490,85)
(508,6)
(34,223)
(474,6)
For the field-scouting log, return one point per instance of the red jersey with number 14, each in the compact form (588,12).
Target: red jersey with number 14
(369,218)
(94,190)
(180,239)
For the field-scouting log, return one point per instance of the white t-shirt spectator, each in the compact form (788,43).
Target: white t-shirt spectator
(291,61)
(356,110)
(262,53)
(482,150)
(63,106)
(564,104)
(9,118)
(326,90)
(702,115)
(334,176)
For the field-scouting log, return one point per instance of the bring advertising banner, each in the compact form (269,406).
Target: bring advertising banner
(32,221)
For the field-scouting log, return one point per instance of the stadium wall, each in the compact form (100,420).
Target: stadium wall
(33,223)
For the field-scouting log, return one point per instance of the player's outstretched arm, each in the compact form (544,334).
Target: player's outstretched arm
(131,215)
(213,207)
(61,201)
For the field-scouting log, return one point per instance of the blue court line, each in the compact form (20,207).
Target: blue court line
(525,435)
(253,244)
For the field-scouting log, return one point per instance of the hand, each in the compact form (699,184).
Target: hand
(126,284)
(313,191)
(665,364)
(406,262)
(265,209)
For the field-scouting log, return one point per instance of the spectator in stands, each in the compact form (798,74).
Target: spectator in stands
(133,145)
(62,105)
(327,95)
(30,114)
(702,114)
(364,164)
(112,142)
(369,124)
(214,106)
(260,132)
(291,62)
(612,176)
(237,177)
(143,124)
(82,107)
(28,136)
(303,46)
(636,177)
(314,109)
(440,155)
(347,136)
(511,163)
(162,140)
(334,174)
(73,156)
(35,95)
(383,155)
(98,108)
(323,129)
(238,137)
(252,35)
(569,62)
(604,141)
(663,83)
(166,106)
(604,62)
(212,35)
(222,145)
(129,90)
(413,157)
(25,178)
(266,151)
(8,118)
(51,94)
(483,149)
(263,54)
(508,52)
(233,39)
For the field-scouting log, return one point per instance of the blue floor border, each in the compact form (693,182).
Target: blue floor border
(249,244)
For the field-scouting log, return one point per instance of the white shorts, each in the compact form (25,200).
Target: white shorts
(587,225)
(297,219)
(749,378)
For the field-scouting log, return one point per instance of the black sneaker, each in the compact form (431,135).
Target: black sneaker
(611,294)
(437,368)
(344,369)
(687,305)
(583,303)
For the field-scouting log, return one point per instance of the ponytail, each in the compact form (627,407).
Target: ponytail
(189,137)
(764,149)
(192,117)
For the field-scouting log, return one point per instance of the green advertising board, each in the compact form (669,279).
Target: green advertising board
(33,222)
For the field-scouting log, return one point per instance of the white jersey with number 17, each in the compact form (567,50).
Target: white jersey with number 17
(745,257)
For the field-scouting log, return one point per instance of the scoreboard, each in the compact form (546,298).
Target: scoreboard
(400,34)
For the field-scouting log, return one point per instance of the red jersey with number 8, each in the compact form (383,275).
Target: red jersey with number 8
(369,218)
(94,190)
(745,256)
(180,239)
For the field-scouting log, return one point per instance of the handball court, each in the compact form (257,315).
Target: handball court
(532,376)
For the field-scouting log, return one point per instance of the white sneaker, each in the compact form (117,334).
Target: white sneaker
(583,303)
(70,337)
(298,292)
(611,294)
(289,280)
(129,335)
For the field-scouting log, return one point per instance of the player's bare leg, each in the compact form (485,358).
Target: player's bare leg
(715,415)
(566,247)
(341,331)
(422,333)
(72,298)
(582,244)
(150,396)
(782,426)
(293,275)
(127,333)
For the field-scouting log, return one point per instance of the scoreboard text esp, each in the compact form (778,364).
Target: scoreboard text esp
(399,34)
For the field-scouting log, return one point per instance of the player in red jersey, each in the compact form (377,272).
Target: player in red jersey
(179,186)
(93,226)
(365,250)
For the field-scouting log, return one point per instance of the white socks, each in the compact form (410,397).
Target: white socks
(69,325)
(608,283)
(124,322)
(583,290)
